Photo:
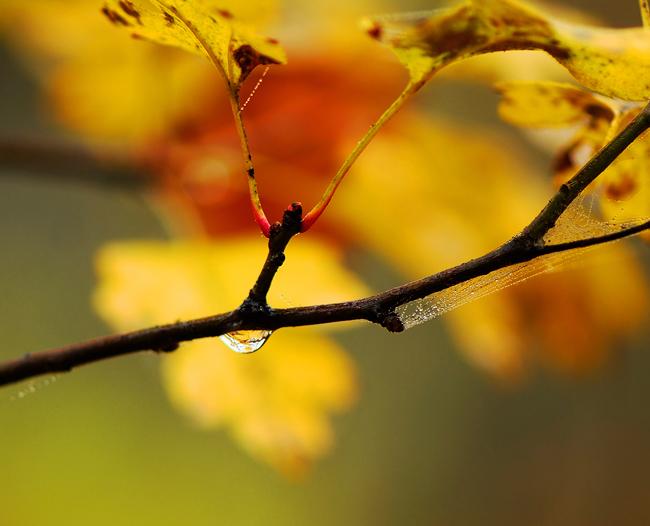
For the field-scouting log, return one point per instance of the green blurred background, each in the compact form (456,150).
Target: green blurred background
(432,440)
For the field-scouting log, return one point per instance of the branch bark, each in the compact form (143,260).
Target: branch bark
(379,309)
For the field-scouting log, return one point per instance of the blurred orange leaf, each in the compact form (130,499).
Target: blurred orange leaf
(549,104)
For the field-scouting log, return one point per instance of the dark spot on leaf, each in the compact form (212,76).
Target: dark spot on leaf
(621,189)
(456,37)
(135,36)
(128,7)
(225,13)
(563,162)
(251,172)
(248,59)
(272,40)
(114,17)
(169,19)
(598,112)
(375,31)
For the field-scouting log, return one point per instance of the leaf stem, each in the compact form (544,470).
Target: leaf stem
(233,95)
(312,216)
(256,203)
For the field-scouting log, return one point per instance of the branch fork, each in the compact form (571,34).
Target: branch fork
(280,234)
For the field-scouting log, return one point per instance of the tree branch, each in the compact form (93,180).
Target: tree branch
(379,309)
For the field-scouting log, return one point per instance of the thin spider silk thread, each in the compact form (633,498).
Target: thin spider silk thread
(257,85)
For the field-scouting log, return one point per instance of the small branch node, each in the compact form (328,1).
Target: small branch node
(390,321)
(292,217)
(251,307)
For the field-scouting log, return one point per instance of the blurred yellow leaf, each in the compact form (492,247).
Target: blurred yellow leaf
(610,61)
(277,402)
(624,187)
(549,104)
(199,27)
(96,79)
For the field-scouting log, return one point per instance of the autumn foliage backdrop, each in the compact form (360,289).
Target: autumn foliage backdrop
(528,403)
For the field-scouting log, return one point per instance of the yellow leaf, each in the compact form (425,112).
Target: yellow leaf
(549,104)
(626,186)
(96,79)
(277,402)
(610,61)
(205,278)
(199,27)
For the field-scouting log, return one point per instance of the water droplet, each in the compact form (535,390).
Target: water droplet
(245,342)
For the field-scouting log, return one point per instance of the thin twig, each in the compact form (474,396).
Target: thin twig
(279,236)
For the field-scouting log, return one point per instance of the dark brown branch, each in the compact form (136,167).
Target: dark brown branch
(625,231)
(378,309)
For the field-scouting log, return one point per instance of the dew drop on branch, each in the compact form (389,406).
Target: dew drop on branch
(245,342)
